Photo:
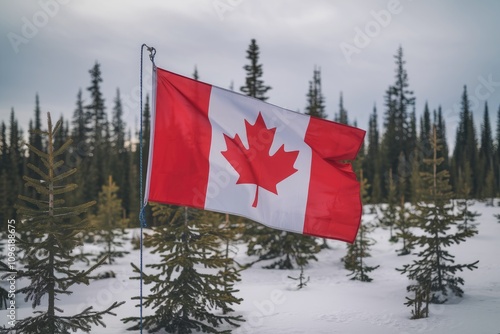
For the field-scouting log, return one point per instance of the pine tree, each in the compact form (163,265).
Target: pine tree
(228,231)
(287,249)
(53,229)
(186,244)
(371,164)
(254,85)
(359,249)
(35,139)
(425,134)
(415,180)
(119,156)
(95,165)
(421,296)
(433,273)
(465,145)
(342,116)
(403,226)
(389,212)
(399,119)
(195,73)
(486,159)
(296,250)
(80,123)
(315,99)
(110,222)
(467,217)
(441,137)
(357,252)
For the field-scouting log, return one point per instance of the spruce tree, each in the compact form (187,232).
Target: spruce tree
(53,229)
(359,249)
(287,249)
(95,165)
(195,73)
(295,250)
(465,145)
(467,217)
(486,159)
(371,164)
(403,227)
(389,211)
(110,222)
(415,182)
(357,252)
(80,120)
(425,134)
(186,290)
(399,119)
(342,116)
(441,137)
(315,99)
(34,138)
(229,231)
(433,273)
(118,158)
(254,85)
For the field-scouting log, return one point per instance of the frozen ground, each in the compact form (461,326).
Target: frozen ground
(331,302)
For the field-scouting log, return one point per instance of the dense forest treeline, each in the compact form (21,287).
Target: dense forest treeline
(103,144)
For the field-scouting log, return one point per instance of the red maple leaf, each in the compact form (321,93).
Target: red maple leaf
(255,165)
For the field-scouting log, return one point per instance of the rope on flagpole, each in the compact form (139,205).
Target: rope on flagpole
(142,215)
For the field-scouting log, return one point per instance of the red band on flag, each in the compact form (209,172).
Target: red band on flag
(182,137)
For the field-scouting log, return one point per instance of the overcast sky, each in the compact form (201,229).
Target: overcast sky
(48,46)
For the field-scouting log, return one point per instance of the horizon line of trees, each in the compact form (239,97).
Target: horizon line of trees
(104,146)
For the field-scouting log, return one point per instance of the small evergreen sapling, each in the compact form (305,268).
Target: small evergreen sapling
(109,222)
(294,249)
(403,228)
(302,279)
(357,252)
(390,211)
(188,294)
(433,273)
(467,217)
(53,228)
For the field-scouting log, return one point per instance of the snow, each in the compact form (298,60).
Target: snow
(331,302)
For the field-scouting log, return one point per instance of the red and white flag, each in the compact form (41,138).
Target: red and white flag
(214,149)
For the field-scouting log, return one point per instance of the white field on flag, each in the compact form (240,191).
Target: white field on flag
(284,210)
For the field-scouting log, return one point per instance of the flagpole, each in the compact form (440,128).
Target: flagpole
(142,205)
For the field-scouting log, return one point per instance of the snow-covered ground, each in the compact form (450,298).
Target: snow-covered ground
(331,302)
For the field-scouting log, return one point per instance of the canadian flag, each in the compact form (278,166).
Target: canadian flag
(214,149)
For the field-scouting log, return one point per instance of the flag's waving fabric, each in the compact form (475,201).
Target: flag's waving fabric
(218,150)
